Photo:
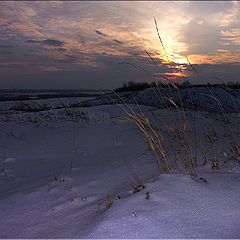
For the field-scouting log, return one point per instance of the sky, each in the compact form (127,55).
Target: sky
(102,44)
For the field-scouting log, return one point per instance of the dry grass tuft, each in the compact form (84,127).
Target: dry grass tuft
(181,141)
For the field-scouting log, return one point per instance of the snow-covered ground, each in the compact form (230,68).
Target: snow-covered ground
(199,98)
(71,173)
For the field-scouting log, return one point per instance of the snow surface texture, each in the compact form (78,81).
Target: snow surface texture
(56,174)
(204,99)
(199,98)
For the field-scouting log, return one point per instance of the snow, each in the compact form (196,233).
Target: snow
(211,99)
(58,167)
(202,98)
(179,207)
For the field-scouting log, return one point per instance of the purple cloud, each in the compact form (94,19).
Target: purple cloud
(48,42)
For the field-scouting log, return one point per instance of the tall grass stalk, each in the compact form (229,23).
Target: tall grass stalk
(160,136)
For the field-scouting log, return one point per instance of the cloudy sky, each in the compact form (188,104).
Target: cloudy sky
(103,44)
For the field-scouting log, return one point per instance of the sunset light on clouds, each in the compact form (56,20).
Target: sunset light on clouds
(80,44)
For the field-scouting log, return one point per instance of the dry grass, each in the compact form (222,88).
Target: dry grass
(170,144)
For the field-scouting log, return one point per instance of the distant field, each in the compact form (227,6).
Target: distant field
(30,94)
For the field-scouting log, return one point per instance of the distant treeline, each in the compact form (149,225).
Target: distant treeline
(139,86)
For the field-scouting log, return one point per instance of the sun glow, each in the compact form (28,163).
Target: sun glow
(172,74)
(176,58)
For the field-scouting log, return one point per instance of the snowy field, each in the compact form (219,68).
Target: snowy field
(88,172)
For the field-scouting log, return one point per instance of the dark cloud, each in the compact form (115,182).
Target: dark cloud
(48,42)
(101,33)
(6,46)
(5,53)
(64,60)
(68,58)
(12,66)
(61,49)
(72,57)
(134,53)
(117,41)
(215,73)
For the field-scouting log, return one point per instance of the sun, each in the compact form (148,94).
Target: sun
(176,58)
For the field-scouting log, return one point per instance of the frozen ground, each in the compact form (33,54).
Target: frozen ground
(58,167)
